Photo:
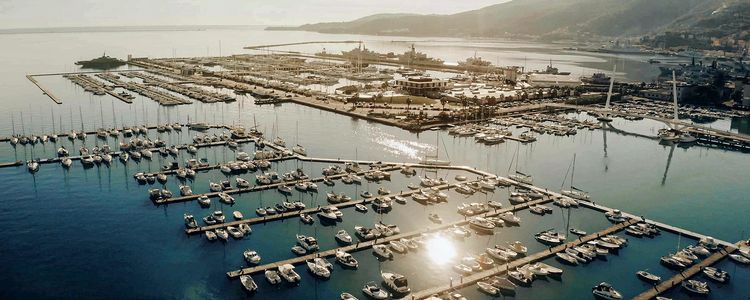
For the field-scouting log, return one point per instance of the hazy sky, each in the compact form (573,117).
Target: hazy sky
(58,13)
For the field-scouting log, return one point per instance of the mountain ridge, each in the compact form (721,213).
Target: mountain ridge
(564,18)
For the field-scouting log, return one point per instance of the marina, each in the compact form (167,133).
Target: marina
(445,189)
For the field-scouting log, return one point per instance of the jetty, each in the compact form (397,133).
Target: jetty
(260,187)
(43,89)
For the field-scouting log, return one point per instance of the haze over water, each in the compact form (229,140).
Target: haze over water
(93,233)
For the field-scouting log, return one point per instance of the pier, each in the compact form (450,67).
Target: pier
(305,211)
(259,187)
(676,280)
(363,245)
(43,89)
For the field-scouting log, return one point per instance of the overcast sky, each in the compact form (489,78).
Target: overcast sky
(62,13)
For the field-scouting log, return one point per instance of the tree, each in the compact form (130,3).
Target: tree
(408,103)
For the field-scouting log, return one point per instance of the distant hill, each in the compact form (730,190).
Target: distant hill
(549,18)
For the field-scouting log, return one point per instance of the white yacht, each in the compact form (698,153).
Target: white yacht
(696,287)
(346,259)
(382,251)
(248,283)
(606,291)
(272,276)
(318,270)
(287,272)
(66,162)
(343,237)
(396,282)
(309,243)
(372,290)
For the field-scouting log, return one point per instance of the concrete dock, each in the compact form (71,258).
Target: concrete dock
(43,89)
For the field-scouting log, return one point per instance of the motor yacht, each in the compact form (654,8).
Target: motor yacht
(739,258)
(318,270)
(298,250)
(372,290)
(327,214)
(519,278)
(251,257)
(245,229)
(272,276)
(190,221)
(242,183)
(184,190)
(566,258)
(648,277)
(225,198)
(510,218)
(716,274)
(346,259)
(606,291)
(696,287)
(210,235)
(343,237)
(672,262)
(222,234)
(518,247)
(396,282)
(308,242)
(287,272)
(382,251)
(481,224)
(204,201)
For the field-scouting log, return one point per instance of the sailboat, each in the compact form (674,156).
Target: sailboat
(435,160)
(13,139)
(604,117)
(671,134)
(519,176)
(574,192)
(298,148)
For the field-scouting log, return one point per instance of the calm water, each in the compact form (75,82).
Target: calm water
(93,233)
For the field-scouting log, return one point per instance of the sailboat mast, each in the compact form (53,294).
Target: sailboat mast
(114,117)
(611,84)
(23,129)
(573,173)
(53,120)
(13,123)
(80,114)
(674,95)
(101,113)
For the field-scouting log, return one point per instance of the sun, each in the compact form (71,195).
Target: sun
(440,250)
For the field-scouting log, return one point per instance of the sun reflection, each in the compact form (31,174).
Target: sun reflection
(440,250)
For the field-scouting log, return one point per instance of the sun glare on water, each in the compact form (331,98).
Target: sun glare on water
(440,250)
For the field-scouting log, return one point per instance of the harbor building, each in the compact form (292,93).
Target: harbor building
(422,86)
